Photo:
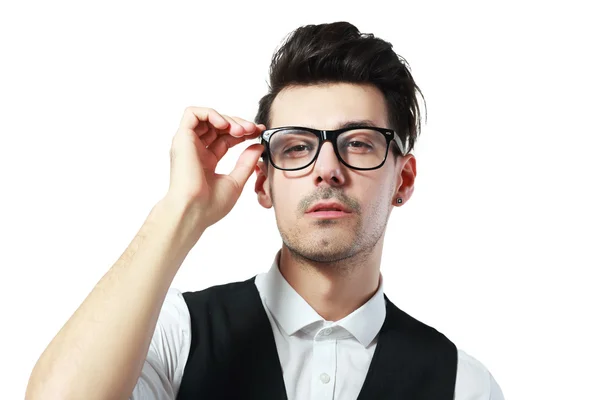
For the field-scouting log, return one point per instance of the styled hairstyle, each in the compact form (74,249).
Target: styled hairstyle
(337,52)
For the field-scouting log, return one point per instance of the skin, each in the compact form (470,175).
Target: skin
(333,264)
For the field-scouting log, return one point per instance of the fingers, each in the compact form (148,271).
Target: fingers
(225,139)
(197,117)
(218,132)
(201,120)
(235,129)
(223,143)
(249,127)
(245,164)
(245,127)
(209,137)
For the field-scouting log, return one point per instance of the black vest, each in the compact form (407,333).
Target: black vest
(233,353)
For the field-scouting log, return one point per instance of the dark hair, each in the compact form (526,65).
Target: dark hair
(338,52)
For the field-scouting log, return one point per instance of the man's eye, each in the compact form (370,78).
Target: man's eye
(358,144)
(297,148)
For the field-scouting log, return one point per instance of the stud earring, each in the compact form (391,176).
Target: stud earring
(399,200)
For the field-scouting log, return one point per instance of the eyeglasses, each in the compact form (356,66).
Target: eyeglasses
(291,148)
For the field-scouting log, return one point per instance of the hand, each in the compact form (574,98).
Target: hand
(203,138)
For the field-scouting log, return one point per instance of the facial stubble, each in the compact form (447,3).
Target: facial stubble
(342,243)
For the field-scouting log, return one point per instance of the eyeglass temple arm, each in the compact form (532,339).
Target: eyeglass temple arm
(401,145)
(264,153)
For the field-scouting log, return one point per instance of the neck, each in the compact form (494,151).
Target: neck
(334,290)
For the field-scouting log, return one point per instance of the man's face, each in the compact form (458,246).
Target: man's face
(369,195)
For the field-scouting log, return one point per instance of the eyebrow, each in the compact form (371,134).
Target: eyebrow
(353,124)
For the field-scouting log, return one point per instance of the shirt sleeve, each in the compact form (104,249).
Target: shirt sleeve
(474,381)
(162,371)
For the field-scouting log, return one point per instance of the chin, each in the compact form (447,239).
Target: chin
(327,257)
(322,248)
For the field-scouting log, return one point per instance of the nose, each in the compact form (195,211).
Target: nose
(327,166)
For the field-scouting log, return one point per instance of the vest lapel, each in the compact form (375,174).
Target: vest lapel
(233,354)
(410,361)
(256,349)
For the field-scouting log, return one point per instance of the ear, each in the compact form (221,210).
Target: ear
(406,173)
(262,184)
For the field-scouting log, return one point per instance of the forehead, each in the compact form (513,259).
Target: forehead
(327,106)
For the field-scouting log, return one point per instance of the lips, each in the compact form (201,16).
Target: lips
(327,206)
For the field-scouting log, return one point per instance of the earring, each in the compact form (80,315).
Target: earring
(399,200)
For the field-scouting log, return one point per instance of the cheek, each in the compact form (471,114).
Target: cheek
(378,200)
(284,197)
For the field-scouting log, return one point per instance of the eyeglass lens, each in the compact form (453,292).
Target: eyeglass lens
(359,148)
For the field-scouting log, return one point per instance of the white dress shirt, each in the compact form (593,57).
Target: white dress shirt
(320,360)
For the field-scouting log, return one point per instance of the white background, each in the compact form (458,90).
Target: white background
(498,247)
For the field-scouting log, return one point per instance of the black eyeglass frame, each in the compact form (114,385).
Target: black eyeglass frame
(332,135)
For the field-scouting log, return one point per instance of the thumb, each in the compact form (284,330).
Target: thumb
(246,163)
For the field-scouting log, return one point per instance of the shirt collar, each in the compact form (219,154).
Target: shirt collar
(293,313)
(366,321)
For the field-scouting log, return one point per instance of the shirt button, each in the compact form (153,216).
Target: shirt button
(327,332)
(324,377)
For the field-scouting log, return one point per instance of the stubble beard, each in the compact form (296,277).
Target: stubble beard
(343,253)
(328,251)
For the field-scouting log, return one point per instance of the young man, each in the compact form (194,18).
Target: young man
(343,116)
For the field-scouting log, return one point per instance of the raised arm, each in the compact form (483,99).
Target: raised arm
(100,351)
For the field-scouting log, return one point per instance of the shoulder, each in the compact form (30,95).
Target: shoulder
(474,381)
(219,292)
(422,335)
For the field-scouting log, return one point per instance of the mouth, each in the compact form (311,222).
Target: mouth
(328,213)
